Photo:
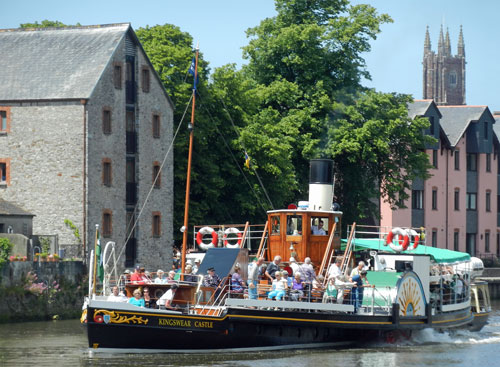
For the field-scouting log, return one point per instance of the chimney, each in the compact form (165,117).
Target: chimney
(320,184)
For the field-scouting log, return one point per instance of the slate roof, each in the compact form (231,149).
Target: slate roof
(55,63)
(496,127)
(456,119)
(419,107)
(7,208)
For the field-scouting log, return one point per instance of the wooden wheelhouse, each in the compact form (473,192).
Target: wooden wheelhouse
(291,233)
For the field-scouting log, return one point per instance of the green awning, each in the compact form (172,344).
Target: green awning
(439,255)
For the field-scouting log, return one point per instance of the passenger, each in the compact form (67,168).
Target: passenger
(237,284)
(137,299)
(279,287)
(293,264)
(148,302)
(330,294)
(211,279)
(289,280)
(262,272)
(297,290)
(196,266)
(116,296)
(160,278)
(189,276)
(342,283)
(458,287)
(334,271)
(253,277)
(317,283)
(171,277)
(360,281)
(308,274)
(272,268)
(357,270)
(136,278)
(165,301)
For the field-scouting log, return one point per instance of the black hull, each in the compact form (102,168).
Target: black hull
(244,329)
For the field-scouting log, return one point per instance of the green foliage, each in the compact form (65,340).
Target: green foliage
(5,249)
(45,243)
(45,24)
(76,231)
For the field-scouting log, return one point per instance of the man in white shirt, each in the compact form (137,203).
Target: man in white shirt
(253,277)
(115,296)
(319,230)
(334,270)
(165,301)
(357,270)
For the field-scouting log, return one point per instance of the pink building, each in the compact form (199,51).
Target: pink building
(458,204)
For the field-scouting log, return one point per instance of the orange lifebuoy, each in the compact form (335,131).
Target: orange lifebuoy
(235,231)
(204,231)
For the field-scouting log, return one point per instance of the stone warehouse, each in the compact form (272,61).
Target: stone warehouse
(85,124)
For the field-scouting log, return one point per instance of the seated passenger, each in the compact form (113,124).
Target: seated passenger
(237,284)
(165,301)
(330,294)
(160,278)
(279,287)
(148,302)
(188,275)
(116,296)
(137,299)
(211,279)
(289,280)
(171,277)
(297,291)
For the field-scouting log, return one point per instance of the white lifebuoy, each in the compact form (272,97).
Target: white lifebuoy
(205,231)
(235,231)
(401,237)
(416,239)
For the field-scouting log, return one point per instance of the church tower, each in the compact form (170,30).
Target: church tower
(444,74)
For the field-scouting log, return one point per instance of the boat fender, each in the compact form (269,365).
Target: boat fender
(416,238)
(401,237)
(205,231)
(229,231)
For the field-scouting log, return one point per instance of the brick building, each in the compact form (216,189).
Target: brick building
(85,127)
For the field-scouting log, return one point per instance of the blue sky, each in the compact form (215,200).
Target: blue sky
(395,61)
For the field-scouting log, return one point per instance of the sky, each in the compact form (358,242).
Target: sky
(395,61)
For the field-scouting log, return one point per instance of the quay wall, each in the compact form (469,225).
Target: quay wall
(32,291)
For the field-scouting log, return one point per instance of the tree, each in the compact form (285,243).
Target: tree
(45,24)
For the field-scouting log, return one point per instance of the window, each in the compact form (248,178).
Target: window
(498,244)
(294,225)
(471,162)
(488,201)
(435,158)
(455,240)
(156,175)
(156,224)
(457,160)
(417,201)
(432,127)
(488,162)
(275,225)
(434,237)
(4,119)
(5,171)
(145,80)
(470,244)
(117,76)
(319,226)
(156,126)
(453,78)
(456,199)
(434,199)
(486,130)
(106,121)
(107,223)
(471,201)
(106,172)
(487,241)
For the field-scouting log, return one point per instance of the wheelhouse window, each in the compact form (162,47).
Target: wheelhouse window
(319,226)
(275,225)
(156,224)
(294,225)
(417,199)
(471,201)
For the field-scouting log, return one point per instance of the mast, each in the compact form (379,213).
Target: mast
(188,177)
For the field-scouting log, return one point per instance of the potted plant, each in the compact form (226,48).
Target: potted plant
(50,257)
(12,258)
(56,257)
(36,257)
(43,256)
(23,258)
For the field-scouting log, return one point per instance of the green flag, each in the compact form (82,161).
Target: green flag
(98,253)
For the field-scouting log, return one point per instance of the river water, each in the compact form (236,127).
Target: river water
(63,343)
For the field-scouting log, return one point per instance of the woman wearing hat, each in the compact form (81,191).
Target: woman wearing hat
(160,278)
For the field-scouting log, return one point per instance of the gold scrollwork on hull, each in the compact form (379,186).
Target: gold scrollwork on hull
(116,318)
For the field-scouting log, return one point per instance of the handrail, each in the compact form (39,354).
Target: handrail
(348,251)
(324,264)
(243,237)
(260,251)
